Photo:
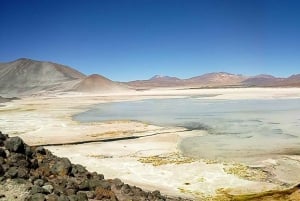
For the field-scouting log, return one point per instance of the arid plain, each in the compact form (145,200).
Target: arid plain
(143,154)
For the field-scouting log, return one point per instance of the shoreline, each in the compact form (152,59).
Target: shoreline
(49,119)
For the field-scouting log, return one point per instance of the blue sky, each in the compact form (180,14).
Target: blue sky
(136,39)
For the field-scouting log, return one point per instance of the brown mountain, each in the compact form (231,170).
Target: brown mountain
(98,83)
(220,79)
(262,80)
(206,80)
(215,80)
(26,76)
(157,81)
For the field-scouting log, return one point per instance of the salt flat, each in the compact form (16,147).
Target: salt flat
(152,160)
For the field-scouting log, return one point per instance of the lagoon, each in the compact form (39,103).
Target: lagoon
(239,130)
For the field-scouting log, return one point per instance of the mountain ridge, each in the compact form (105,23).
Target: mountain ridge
(27,76)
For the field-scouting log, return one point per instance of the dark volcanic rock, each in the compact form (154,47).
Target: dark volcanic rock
(3,137)
(37,197)
(50,178)
(2,172)
(2,153)
(15,144)
(62,167)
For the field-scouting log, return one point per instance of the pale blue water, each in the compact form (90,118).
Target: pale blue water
(237,128)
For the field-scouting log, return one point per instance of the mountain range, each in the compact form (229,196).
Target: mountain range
(218,80)
(26,77)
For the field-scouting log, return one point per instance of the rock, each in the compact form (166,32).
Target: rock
(23,173)
(15,144)
(2,196)
(102,193)
(78,170)
(52,197)
(62,167)
(118,183)
(2,172)
(125,189)
(3,137)
(12,172)
(84,185)
(18,160)
(89,194)
(72,183)
(48,177)
(70,191)
(37,197)
(28,151)
(2,153)
(39,182)
(82,196)
(48,188)
(38,189)
(40,150)
(63,198)
(93,183)
(34,163)
(73,198)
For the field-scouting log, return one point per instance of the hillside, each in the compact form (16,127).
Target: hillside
(26,76)
(215,80)
(220,79)
(97,83)
(157,81)
(206,80)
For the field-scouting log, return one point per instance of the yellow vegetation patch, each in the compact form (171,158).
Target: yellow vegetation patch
(172,158)
(246,172)
(99,156)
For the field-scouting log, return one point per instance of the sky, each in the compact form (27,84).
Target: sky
(137,39)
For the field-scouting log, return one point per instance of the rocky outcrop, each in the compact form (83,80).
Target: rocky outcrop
(50,178)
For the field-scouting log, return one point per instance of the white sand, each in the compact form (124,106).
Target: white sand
(48,120)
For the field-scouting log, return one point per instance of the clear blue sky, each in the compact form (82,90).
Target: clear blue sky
(136,39)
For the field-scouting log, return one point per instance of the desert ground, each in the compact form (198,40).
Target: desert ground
(142,154)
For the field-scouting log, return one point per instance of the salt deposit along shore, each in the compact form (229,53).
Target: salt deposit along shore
(148,155)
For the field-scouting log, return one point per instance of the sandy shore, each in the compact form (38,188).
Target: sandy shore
(152,160)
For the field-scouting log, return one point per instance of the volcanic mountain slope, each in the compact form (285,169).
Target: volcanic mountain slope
(26,76)
(220,79)
(215,80)
(157,81)
(293,81)
(97,83)
(262,80)
(206,80)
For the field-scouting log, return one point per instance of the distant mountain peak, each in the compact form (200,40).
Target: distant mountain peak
(161,77)
(264,76)
(157,77)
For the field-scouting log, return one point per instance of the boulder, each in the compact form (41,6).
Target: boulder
(48,188)
(3,137)
(37,197)
(12,172)
(38,189)
(52,197)
(2,153)
(2,172)
(61,167)
(14,144)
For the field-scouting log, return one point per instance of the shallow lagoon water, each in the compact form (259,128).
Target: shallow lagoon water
(237,129)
